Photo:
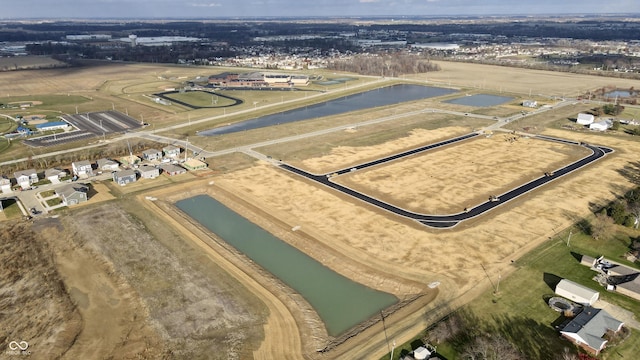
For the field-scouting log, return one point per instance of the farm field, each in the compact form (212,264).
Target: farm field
(365,244)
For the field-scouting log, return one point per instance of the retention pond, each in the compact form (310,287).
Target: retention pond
(340,302)
(380,97)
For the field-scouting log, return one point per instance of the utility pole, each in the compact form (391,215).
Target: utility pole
(569,238)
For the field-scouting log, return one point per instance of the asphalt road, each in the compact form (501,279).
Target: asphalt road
(451,220)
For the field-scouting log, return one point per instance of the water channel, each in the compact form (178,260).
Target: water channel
(380,97)
(340,302)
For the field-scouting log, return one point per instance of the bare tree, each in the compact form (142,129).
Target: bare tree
(601,226)
(491,347)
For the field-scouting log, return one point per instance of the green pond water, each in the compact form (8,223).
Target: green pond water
(340,302)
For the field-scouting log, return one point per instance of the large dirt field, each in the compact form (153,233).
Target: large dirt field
(150,283)
(462,175)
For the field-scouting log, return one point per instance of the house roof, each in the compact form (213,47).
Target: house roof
(51,124)
(151,151)
(69,190)
(125,173)
(170,148)
(28,172)
(172,168)
(103,162)
(591,324)
(576,289)
(146,168)
(81,163)
(54,172)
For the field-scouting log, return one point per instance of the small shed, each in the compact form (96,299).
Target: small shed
(601,125)
(585,119)
(576,292)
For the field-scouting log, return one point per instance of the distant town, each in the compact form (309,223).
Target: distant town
(575,44)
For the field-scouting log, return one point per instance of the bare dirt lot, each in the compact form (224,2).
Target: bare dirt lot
(462,175)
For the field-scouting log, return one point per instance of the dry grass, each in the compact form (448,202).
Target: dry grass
(463,175)
(34,302)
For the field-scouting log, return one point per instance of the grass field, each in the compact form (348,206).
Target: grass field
(201,99)
(518,310)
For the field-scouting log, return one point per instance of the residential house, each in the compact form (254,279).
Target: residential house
(82,169)
(5,185)
(585,119)
(54,175)
(576,292)
(530,103)
(148,172)
(25,178)
(152,154)
(171,169)
(171,151)
(588,328)
(107,165)
(124,177)
(73,194)
(194,164)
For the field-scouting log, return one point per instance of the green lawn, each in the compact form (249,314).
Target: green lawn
(11,209)
(201,98)
(519,310)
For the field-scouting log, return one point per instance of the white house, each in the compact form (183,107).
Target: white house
(601,125)
(576,292)
(107,165)
(148,172)
(171,151)
(25,178)
(82,168)
(152,154)
(588,328)
(5,185)
(585,119)
(530,103)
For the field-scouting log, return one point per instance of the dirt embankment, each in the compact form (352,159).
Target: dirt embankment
(190,308)
(36,312)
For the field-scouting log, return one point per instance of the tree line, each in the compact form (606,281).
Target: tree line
(391,65)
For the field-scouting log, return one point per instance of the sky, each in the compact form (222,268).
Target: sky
(30,9)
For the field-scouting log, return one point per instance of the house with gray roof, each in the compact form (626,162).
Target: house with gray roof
(171,169)
(107,165)
(73,194)
(152,154)
(148,172)
(171,151)
(124,177)
(54,175)
(588,328)
(25,178)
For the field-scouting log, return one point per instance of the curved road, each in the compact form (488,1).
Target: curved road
(451,220)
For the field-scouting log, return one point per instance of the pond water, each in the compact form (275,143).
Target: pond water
(619,93)
(481,100)
(340,302)
(369,99)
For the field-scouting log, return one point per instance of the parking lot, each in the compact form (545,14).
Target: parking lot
(88,125)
